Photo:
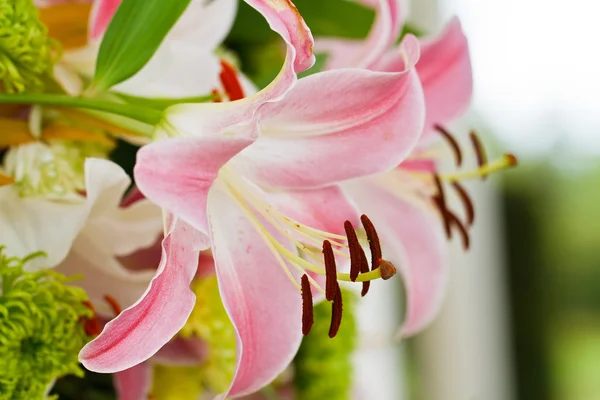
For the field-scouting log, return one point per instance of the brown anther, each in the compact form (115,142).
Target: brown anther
(114,304)
(511,159)
(230,81)
(357,254)
(440,201)
(467,202)
(452,142)
(374,243)
(364,267)
(336,314)
(331,282)
(479,151)
(308,315)
(387,269)
(461,229)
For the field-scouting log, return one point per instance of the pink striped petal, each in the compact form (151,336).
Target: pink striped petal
(177,174)
(413,239)
(446,75)
(445,72)
(142,329)
(133,383)
(261,301)
(363,54)
(338,125)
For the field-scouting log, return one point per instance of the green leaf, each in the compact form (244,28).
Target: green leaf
(132,37)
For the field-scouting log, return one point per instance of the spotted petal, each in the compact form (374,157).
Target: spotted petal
(338,125)
(260,300)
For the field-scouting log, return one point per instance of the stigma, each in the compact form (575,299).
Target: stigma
(314,252)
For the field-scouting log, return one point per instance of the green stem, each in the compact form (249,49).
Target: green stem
(138,113)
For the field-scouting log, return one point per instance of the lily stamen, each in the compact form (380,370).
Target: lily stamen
(336,314)
(452,142)
(506,161)
(230,81)
(467,202)
(479,150)
(308,314)
(114,304)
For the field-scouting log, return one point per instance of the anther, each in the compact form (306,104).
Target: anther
(387,269)
(114,304)
(374,243)
(336,314)
(231,83)
(364,267)
(308,315)
(479,151)
(331,283)
(357,254)
(453,219)
(91,325)
(440,201)
(511,159)
(467,202)
(452,142)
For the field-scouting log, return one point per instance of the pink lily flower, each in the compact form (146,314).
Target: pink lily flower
(209,172)
(400,201)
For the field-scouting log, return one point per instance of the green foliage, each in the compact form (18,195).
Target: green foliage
(133,36)
(26,52)
(40,330)
(323,366)
(325,18)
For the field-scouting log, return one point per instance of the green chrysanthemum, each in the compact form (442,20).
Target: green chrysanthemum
(323,367)
(40,329)
(26,52)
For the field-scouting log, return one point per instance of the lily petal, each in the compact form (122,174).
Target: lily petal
(176,174)
(142,329)
(260,300)
(325,208)
(338,125)
(445,72)
(363,54)
(446,75)
(133,383)
(414,241)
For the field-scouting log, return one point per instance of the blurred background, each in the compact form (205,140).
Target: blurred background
(522,316)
